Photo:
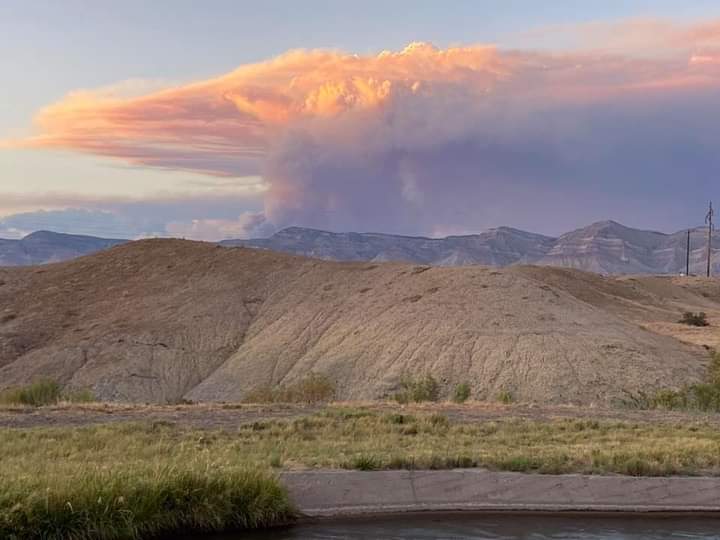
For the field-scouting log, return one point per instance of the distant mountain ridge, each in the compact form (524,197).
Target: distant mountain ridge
(605,247)
(44,247)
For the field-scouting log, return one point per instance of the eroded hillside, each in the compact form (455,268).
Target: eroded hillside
(161,320)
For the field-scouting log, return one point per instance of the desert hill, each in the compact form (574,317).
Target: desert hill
(162,320)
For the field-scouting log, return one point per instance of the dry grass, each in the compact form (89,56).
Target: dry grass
(313,388)
(134,480)
(342,437)
(43,392)
(128,482)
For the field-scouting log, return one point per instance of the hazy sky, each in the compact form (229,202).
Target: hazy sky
(203,120)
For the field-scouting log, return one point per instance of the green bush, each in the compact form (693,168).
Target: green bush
(694,319)
(418,390)
(462,393)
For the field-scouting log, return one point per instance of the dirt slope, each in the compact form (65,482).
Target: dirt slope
(159,320)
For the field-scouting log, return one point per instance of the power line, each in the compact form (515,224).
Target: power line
(709,221)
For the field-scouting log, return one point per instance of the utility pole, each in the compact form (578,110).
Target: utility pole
(708,220)
(687,256)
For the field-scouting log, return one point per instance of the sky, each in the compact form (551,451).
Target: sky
(228,119)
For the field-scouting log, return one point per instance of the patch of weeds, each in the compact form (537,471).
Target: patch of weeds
(505,396)
(461,393)
(418,390)
(698,397)
(364,463)
(44,392)
(314,388)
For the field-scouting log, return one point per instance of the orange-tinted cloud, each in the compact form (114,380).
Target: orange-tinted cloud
(230,121)
(339,137)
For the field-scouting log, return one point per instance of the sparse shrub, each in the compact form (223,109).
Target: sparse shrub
(44,392)
(462,393)
(37,394)
(364,463)
(505,397)
(694,319)
(418,390)
(699,397)
(314,388)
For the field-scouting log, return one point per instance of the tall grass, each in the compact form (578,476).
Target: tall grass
(43,392)
(133,504)
(417,390)
(314,388)
(129,482)
(37,394)
(462,393)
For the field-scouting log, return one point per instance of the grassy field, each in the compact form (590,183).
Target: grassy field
(136,480)
(128,482)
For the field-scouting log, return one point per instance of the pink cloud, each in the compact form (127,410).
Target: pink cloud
(389,140)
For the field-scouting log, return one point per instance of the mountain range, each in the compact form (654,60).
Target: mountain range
(605,247)
(44,247)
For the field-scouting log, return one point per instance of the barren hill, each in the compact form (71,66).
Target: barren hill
(161,320)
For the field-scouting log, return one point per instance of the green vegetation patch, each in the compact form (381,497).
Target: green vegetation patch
(129,482)
(134,481)
(417,390)
(43,392)
(703,397)
(461,393)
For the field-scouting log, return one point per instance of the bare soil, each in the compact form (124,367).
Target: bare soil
(231,416)
(165,320)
